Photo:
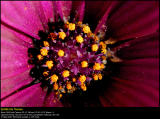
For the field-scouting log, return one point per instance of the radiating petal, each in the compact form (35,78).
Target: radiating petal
(78,7)
(136,82)
(95,11)
(63,8)
(51,101)
(14,57)
(27,16)
(134,19)
(32,96)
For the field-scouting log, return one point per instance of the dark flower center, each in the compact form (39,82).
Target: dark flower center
(67,57)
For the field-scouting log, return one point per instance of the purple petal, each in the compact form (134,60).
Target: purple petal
(64,8)
(141,18)
(51,101)
(26,16)
(137,84)
(79,8)
(32,96)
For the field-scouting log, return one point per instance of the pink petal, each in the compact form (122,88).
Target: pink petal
(27,16)
(137,83)
(14,58)
(104,18)
(141,18)
(14,48)
(63,8)
(78,7)
(32,96)
(51,101)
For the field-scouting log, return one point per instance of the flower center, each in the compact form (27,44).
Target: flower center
(67,57)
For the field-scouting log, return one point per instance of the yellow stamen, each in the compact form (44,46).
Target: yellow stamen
(86,29)
(65,73)
(83,87)
(45,73)
(100,76)
(69,86)
(49,64)
(61,53)
(103,45)
(84,64)
(96,38)
(44,52)
(95,77)
(55,86)
(102,66)
(82,78)
(79,23)
(53,36)
(54,78)
(71,26)
(97,66)
(40,57)
(74,79)
(104,57)
(79,39)
(62,35)
(94,47)
(104,51)
(45,43)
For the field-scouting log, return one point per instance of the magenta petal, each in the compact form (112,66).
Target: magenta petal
(14,55)
(64,8)
(32,96)
(51,101)
(79,8)
(22,15)
(137,83)
(141,18)
(104,18)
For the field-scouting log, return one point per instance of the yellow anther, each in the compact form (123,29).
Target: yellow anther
(82,78)
(96,38)
(69,86)
(40,57)
(45,43)
(84,64)
(104,57)
(74,79)
(100,76)
(62,35)
(79,23)
(49,64)
(95,77)
(65,73)
(86,29)
(83,87)
(60,95)
(45,73)
(97,66)
(55,86)
(71,26)
(44,52)
(103,50)
(79,39)
(103,45)
(54,78)
(53,36)
(94,47)
(61,53)
(102,66)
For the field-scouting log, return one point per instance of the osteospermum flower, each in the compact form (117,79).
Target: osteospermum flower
(79,53)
